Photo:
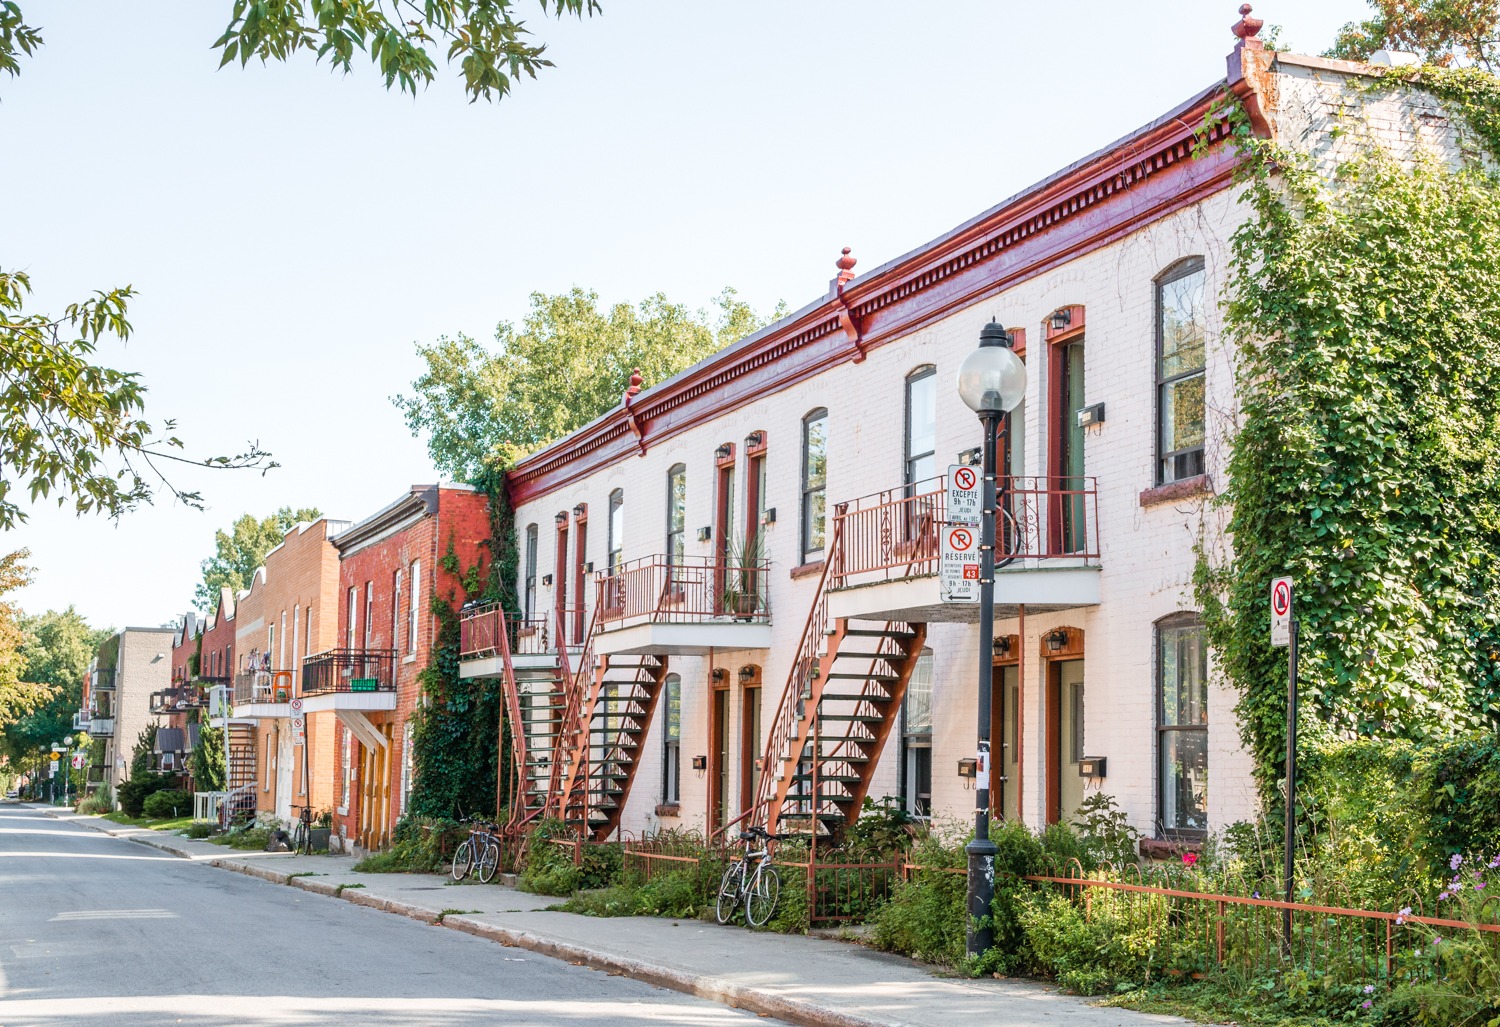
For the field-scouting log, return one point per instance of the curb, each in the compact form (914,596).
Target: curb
(715,989)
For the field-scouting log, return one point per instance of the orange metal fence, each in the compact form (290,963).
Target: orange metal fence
(685,589)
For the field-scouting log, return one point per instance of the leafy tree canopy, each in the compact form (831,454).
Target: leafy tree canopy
(567,364)
(55,651)
(17,696)
(243,548)
(1441,32)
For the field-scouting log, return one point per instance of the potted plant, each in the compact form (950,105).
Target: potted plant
(744,572)
(321,829)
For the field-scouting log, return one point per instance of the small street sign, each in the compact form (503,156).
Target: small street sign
(296,705)
(965,498)
(299,732)
(218,701)
(958,570)
(1281,611)
(80,760)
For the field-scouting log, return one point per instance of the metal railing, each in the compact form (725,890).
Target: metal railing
(683,590)
(102,680)
(102,727)
(894,534)
(81,720)
(349,670)
(179,699)
(263,686)
(479,633)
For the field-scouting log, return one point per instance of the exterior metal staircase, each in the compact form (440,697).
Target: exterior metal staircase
(534,699)
(842,699)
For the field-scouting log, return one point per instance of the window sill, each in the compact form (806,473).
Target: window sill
(669,809)
(1196,487)
(342,811)
(411,658)
(807,570)
(1169,848)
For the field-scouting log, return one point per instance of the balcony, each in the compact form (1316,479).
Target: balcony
(529,640)
(886,563)
(179,699)
(684,605)
(263,694)
(349,679)
(102,727)
(81,720)
(102,680)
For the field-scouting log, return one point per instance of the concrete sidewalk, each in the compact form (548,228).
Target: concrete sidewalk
(802,980)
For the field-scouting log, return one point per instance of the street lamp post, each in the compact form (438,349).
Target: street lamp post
(992,381)
(67,766)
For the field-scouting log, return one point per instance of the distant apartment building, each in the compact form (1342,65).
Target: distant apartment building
(127,669)
(278,755)
(202,659)
(390,573)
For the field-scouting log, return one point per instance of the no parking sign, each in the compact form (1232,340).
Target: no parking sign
(958,570)
(1281,611)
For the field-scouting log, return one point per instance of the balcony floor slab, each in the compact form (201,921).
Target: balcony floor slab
(1041,589)
(366,702)
(682,639)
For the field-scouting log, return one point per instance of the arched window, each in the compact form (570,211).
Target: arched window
(616,526)
(529,578)
(1182,725)
(1180,343)
(921,425)
(676,514)
(814,484)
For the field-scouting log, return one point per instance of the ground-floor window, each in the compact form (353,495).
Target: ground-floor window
(406,753)
(1182,725)
(671,757)
(347,777)
(916,739)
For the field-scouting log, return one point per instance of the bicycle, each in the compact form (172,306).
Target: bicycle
(478,854)
(302,830)
(759,887)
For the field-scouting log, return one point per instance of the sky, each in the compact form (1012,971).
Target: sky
(295,233)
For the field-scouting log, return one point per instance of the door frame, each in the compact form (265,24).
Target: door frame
(749,750)
(718,722)
(1057,345)
(998,709)
(1052,714)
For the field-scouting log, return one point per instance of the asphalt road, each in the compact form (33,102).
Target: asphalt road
(100,930)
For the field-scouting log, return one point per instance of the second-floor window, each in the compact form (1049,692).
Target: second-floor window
(414,606)
(921,425)
(395,605)
(814,484)
(349,635)
(1180,401)
(530,584)
(616,528)
(369,613)
(676,514)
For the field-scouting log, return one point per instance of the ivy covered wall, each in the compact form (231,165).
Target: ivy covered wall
(1365,311)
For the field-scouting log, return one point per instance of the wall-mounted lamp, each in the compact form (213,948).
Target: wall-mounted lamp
(720,674)
(1060,318)
(747,673)
(704,534)
(1057,640)
(546,579)
(968,767)
(700,762)
(1091,415)
(769,517)
(725,451)
(755,439)
(562,517)
(588,567)
(970,457)
(1002,646)
(581,510)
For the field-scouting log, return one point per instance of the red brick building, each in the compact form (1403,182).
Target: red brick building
(390,570)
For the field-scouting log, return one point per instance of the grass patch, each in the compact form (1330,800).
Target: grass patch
(455,912)
(307,873)
(346,887)
(153,823)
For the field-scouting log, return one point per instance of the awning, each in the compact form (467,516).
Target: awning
(169,739)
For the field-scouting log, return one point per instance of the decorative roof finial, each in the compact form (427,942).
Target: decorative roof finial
(845,264)
(1248,28)
(635,382)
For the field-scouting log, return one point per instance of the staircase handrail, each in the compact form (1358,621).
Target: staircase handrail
(512,700)
(577,684)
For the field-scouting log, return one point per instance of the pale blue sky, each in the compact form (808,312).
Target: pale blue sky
(294,233)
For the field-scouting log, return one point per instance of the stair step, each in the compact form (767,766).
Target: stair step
(843,779)
(856,697)
(856,718)
(878,633)
(852,675)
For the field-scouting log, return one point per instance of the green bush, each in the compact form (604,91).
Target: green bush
(419,845)
(169,802)
(549,869)
(99,802)
(198,830)
(134,791)
(926,917)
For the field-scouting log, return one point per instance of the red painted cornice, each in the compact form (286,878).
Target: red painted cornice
(1092,203)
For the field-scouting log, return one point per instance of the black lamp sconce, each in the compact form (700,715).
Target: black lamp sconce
(1002,646)
(1057,640)
(562,517)
(1060,318)
(720,674)
(725,451)
(769,517)
(700,762)
(581,510)
(970,457)
(746,674)
(546,579)
(755,438)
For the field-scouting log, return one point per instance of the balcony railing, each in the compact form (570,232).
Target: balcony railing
(349,670)
(894,534)
(479,633)
(102,727)
(683,590)
(263,686)
(179,699)
(102,680)
(81,720)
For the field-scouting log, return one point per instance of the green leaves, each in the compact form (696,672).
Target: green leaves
(16,37)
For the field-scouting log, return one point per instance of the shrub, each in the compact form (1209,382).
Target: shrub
(198,830)
(134,791)
(549,869)
(926,917)
(419,845)
(100,802)
(169,802)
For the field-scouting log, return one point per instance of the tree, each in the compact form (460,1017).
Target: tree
(1441,32)
(242,549)
(55,654)
(568,363)
(17,696)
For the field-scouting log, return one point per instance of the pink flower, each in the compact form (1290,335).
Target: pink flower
(1479,886)
(1401,916)
(1366,1004)
(1189,858)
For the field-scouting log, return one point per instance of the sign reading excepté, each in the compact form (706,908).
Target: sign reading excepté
(1281,611)
(958,568)
(965,500)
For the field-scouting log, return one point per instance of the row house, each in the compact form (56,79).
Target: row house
(127,670)
(391,570)
(729,600)
(202,660)
(280,757)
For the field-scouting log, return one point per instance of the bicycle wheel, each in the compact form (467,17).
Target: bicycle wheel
(761,896)
(300,842)
(487,863)
(729,892)
(463,860)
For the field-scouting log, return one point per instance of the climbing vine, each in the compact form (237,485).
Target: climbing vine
(456,731)
(1363,307)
